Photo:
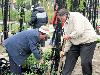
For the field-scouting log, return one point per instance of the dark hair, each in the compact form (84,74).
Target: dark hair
(63,11)
(36,5)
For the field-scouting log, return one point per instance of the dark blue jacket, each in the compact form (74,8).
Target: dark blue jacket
(22,44)
(39,17)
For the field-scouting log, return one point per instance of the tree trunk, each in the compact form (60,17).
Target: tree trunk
(5,19)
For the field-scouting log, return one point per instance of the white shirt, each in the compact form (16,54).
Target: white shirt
(80,29)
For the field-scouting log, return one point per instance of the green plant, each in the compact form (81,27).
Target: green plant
(13,15)
(1,16)
(32,63)
(28,16)
(47,54)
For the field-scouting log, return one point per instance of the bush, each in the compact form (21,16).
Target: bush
(1,16)
(47,54)
(34,66)
(13,15)
(27,16)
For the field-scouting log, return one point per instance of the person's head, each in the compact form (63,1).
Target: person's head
(37,4)
(63,14)
(44,33)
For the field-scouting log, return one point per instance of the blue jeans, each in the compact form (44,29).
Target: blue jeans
(14,68)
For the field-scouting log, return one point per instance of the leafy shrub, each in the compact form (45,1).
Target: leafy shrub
(1,16)
(36,66)
(13,15)
(47,54)
(27,16)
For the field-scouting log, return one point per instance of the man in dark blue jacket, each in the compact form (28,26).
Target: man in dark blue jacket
(22,44)
(39,16)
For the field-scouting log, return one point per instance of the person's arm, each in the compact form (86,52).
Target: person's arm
(78,29)
(35,51)
(54,18)
(33,17)
(32,42)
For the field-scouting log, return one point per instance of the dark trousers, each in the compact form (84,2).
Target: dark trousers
(14,68)
(85,51)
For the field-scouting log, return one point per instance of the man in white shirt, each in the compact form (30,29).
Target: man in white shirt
(82,36)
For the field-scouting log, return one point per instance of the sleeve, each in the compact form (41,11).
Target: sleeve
(78,27)
(33,17)
(54,18)
(34,49)
(42,43)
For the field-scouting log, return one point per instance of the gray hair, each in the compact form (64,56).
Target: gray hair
(62,12)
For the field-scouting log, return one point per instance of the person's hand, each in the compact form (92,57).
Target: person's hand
(62,53)
(66,37)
